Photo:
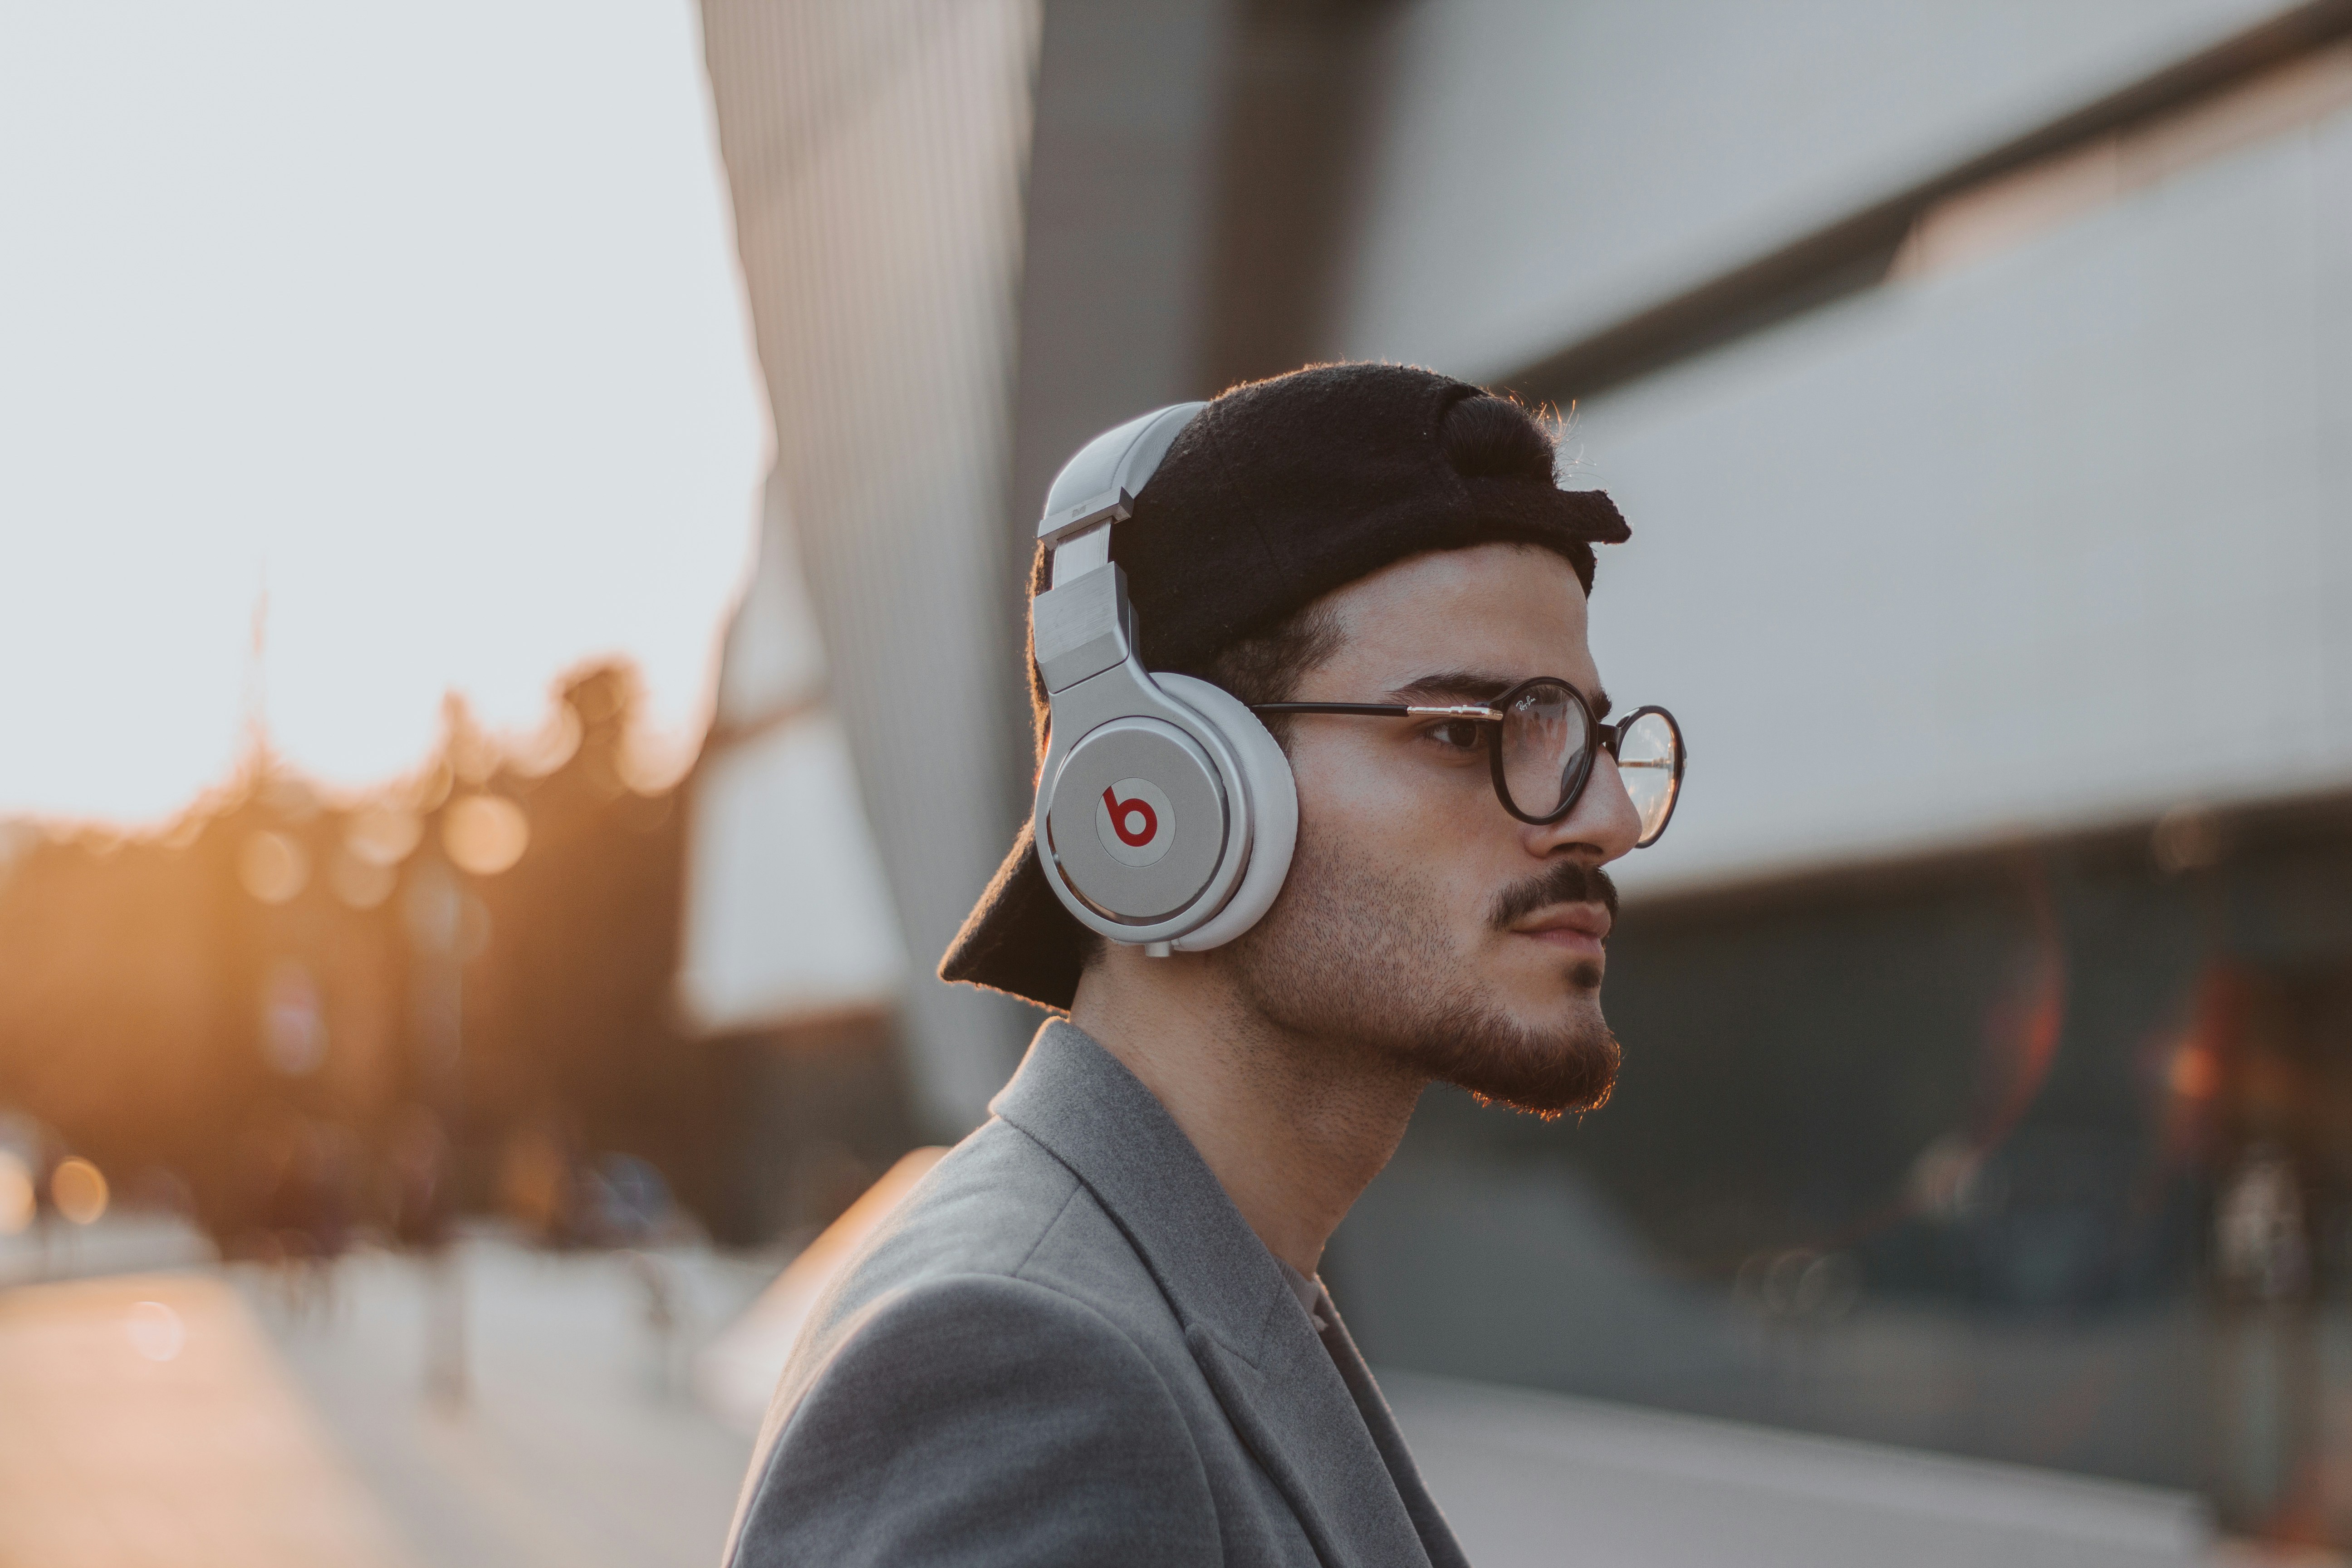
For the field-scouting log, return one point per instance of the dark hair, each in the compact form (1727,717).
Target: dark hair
(1269,668)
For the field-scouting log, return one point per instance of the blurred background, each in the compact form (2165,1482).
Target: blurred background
(513,523)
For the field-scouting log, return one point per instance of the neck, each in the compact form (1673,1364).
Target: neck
(1293,1125)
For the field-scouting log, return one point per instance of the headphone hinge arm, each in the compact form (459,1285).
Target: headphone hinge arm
(1113,505)
(1082,626)
(1079,554)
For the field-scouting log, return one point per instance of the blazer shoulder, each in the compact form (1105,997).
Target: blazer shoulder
(980,1210)
(985,1209)
(982,1418)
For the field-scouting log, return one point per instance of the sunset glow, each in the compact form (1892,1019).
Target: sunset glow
(408,338)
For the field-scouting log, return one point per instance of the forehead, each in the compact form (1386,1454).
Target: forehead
(1507,610)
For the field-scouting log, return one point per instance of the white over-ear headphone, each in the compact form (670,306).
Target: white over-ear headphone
(1166,814)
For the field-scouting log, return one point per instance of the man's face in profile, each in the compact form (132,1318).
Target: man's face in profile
(1420,919)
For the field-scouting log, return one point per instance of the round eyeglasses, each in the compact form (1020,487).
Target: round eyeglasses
(1541,737)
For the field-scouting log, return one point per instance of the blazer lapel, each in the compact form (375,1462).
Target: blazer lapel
(1279,1385)
(1428,1519)
(1295,1415)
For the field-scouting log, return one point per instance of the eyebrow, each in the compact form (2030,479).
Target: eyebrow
(1473,685)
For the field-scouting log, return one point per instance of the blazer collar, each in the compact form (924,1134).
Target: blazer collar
(1279,1384)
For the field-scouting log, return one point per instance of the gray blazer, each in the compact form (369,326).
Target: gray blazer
(1066,1347)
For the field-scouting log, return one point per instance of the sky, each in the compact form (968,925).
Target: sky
(417,328)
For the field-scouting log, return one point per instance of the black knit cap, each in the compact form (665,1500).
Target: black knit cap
(1276,494)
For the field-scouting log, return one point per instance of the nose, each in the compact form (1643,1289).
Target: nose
(1601,826)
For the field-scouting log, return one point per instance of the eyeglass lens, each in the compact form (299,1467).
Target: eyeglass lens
(1646,753)
(1547,744)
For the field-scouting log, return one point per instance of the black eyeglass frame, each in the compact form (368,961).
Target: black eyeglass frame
(1597,738)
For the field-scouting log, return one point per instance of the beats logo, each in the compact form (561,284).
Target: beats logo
(1135,822)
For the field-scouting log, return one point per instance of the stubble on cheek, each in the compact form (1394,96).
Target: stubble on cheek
(1346,952)
(1364,955)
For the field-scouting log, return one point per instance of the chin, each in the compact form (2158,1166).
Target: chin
(1560,994)
(1546,1060)
(1534,975)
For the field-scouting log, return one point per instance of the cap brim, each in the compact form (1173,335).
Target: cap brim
(1019,939)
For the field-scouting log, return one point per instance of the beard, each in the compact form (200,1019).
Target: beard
(1354,955)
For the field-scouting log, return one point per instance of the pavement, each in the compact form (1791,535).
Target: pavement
(201,1415)
(252,1417)
(574,1440)
(1534,1478)
(118,1243)
(147,1420)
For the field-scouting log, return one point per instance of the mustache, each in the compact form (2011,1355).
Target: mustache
(1562,882)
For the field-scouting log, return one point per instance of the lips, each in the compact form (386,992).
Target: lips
(1576,928)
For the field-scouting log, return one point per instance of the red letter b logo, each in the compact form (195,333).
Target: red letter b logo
(1133,820)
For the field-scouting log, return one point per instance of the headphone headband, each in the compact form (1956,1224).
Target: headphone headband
(1165,813)
(1099,486)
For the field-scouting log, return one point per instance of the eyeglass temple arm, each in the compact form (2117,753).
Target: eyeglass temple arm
(1612,735)
(1393,709)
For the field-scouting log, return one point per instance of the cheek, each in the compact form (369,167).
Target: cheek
(1347,805)
(1351,813)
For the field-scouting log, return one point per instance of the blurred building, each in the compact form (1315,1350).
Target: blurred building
(792,961)
(1974,378)
(875,153)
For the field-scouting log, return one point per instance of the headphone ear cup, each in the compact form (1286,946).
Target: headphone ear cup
(1137,822)
(1274,807)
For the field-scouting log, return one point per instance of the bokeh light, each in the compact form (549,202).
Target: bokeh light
(293,1019)
(2194,1074)
(485,834)
(78,1190)
(18,1197)
(551,746)
(273,866)
(155,1331)
(383,835)
(361,884)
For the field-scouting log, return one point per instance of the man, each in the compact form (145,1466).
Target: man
(1093,1334)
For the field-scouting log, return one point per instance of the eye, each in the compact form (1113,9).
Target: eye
(1457,734)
